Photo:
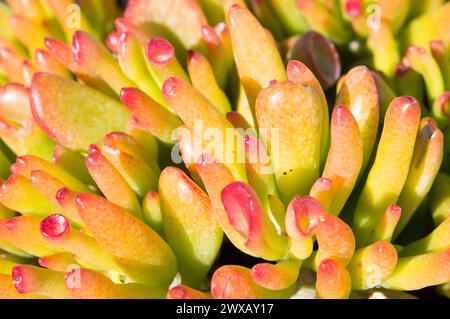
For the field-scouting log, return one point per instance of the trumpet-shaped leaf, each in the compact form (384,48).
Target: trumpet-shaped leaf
(421,61)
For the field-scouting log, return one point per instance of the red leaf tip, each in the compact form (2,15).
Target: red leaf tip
(54,226)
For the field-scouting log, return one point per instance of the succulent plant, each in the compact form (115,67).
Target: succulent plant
(213,149)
